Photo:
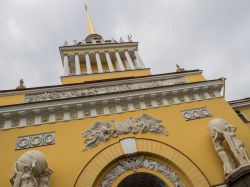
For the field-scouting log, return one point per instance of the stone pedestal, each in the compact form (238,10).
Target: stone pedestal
(240,178)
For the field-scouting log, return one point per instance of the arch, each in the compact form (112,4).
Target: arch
(140,179)
(99,165)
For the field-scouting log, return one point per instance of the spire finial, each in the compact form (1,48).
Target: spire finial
(91,29)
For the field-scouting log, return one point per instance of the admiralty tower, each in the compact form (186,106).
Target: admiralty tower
(111,123)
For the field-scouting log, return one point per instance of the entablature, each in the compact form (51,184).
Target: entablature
(105,104)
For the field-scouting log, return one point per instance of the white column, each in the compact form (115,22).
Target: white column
(110,65)
(88,65)
(119,60)
(139,60)
(130,62)
(77,65)
(99,63)
(66,65)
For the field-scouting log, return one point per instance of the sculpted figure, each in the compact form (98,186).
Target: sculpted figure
(236,145)
(21,85)
(122,128)
(121,40)
(147,123)
(228,163)
(219,131)
(31,170)
(99,132)
(130,38)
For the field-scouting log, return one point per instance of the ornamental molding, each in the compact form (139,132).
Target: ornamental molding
(54,95)
(99,84)
(133,163)
(37,140)
(29,114)
(104,131)
(196,113)
(96,46)
(240,103)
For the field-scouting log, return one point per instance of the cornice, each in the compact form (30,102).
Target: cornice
(171,90)
(98,46)
(29,114)
(99,83)
(240,103)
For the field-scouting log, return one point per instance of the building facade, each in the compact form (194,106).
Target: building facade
(112,123)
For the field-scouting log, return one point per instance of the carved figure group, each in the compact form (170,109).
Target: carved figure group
(31,170)
(104,131)
(219,131)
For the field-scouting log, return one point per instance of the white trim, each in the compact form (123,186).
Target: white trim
(100,84)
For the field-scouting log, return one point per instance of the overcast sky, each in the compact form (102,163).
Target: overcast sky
(211,35)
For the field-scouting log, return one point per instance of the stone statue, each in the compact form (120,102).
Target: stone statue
(66,43)
(236,145)
(130,38)
(121,40)
(219,131)
(31,170)
(179,69)
(21,85)
(75,42)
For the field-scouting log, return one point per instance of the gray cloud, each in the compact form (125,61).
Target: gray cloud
(210,35)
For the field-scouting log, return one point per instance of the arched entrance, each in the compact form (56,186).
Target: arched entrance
(142,179)
(105,168)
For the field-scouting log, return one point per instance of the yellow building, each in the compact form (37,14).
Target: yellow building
(113,123)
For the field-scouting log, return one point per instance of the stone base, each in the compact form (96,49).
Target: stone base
(240,178)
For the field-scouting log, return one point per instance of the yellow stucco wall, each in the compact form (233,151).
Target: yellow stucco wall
(11,99)
(195,78)
(67,159)
(114,75)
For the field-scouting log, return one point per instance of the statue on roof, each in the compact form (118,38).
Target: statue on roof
(130,38)
(21,85)
(179,69)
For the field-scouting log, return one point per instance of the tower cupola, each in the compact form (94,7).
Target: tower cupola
(94,58)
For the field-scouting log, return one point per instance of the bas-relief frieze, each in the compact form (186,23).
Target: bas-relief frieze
(133,163)
(37,140)
(196,113)
(103,131)
(53,95)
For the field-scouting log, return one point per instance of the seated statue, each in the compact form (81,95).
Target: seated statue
(31,170)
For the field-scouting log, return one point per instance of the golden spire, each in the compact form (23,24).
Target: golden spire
(91,29)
